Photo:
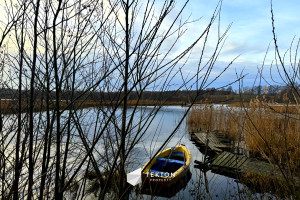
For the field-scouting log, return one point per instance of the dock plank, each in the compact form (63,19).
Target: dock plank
(233,159)
(222,156)
(238,162)
(216,160)
(228,160)
(214,142)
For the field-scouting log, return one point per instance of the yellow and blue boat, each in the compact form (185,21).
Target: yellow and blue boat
(168,166)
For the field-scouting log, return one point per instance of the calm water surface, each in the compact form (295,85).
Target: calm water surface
(201,185)
(214,186)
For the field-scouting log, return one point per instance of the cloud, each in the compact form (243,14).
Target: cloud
(249,35)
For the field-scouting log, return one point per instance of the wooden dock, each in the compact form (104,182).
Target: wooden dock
(228,162)
(214,141)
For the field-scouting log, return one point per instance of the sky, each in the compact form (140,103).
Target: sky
(250,33)
(248,37)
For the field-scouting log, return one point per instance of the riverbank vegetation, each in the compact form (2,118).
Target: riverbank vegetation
(9,98)
(258,129)
(259,126)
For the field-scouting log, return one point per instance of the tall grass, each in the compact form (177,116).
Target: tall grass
(264,132)
(206,117)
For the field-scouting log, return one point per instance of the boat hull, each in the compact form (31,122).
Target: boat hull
(167,177)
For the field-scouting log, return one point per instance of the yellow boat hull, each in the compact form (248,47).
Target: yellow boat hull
(167,178)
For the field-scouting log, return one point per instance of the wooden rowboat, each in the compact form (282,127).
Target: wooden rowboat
(168,166)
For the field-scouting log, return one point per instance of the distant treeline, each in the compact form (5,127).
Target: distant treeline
(175,96)
(273,93)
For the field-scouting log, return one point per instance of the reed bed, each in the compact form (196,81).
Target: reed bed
(264,133)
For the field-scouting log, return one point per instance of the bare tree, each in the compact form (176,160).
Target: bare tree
(75,53)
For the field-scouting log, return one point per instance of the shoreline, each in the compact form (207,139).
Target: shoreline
(10,106)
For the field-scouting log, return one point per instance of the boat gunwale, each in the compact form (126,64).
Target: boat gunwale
(179,148)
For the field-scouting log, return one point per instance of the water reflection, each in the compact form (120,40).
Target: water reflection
(199,184)
(156,189)
(203,184)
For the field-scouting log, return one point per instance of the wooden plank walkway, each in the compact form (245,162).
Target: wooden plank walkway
(229,163)
(215,142)
(232,163)
(228,160)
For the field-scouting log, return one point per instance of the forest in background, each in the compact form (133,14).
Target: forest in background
(272,94)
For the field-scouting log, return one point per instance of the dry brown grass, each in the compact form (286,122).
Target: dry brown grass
(208,117)
(238,104)
(266,134)
(11,106)
(275,108)
(291,109)
(154,103)
(264,183)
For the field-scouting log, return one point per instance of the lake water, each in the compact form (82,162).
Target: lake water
(201,185)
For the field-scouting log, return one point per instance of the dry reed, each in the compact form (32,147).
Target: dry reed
(266,134)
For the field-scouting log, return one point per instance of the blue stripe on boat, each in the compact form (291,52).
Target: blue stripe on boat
(178,153)
(170,160)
